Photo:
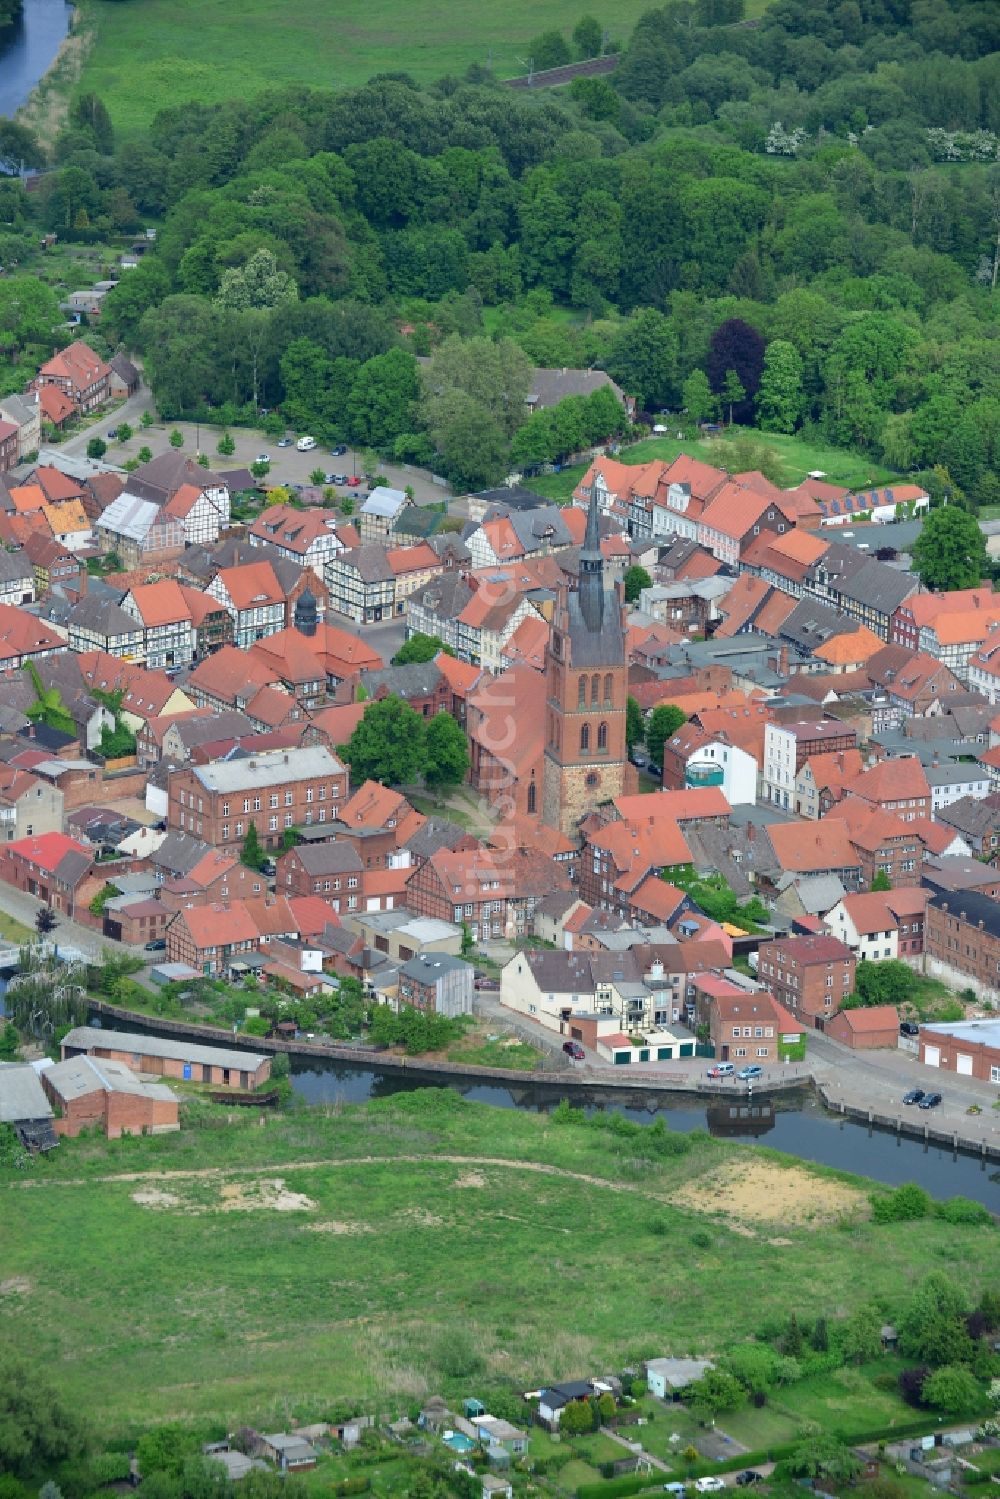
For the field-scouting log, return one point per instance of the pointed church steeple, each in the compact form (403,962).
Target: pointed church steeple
(592,571)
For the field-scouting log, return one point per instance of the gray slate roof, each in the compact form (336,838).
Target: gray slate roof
(416,679)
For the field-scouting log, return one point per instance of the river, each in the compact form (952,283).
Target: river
(29,48)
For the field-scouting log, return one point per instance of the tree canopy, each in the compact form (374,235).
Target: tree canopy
(950,551)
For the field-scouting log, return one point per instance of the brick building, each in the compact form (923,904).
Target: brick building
(969,1048)
(866,1028)
(494,894)
(165,1057)
(962,937)
(809,975)
(218,802)
(749,1029)
(50,867)
(108,1094)
(331,870)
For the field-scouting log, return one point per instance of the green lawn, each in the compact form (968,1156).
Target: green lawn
(12,930)
(798,459)
(428,1245)
(163,53)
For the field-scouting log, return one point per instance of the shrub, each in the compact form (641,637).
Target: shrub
(962,1210)
(906,1203)
(911,1384)
(358,1483)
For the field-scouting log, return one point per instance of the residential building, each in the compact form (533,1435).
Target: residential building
(124,378)
(977,820)
(139,532)
(168,636)
(190,494)
(309,537)
(962,941)
(333,870)
(52,566)
(217,802)
(820,783)
(254,599)
(25,413)
(493,894)
(717,763)
(437,984)
(24,638)
(9,456)
(80,374)
(96,623)
(957,639)
(380,515)
(881,924)
(29,805)
(859,586)
(741,510)
(810,975)
(50,866)
(787,747)
(811,848)
(949,783)
(752,1028)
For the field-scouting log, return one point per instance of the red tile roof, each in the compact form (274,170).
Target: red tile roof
(47,850)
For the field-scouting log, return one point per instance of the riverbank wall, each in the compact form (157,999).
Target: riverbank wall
(797,1076)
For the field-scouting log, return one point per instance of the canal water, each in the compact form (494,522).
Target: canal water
(796,1123)
(28,49)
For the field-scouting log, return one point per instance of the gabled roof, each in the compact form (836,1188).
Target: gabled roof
(812,848)
(161,603)
(891,780)
(77,362)
(252,585)
(48,850)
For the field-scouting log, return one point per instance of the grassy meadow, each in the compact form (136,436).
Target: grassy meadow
(418,1244)
(798,459)
(159,54)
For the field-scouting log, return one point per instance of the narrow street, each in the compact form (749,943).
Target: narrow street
(24,908)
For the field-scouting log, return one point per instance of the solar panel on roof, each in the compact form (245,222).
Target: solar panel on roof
(890,498)
(834,507)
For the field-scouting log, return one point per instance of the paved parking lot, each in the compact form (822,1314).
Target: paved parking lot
(288,465)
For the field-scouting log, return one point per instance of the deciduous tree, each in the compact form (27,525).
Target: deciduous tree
(950,551)
(779,396)
(388,744)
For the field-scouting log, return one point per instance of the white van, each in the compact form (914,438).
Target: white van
(306,444)
(722,1069)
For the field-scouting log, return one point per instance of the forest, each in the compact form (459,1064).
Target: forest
(792,223)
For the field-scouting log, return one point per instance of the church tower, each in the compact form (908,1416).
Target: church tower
(586,757)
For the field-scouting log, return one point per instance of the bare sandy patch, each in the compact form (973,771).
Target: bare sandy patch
(470,1179)
(762,1192)
(265,1195)
(15,1285)
(153,1197)
(422,1218)
(339,1229)
(780,1242)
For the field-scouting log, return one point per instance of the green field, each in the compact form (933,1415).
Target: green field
(428,1245)
(798,459)
(162,53)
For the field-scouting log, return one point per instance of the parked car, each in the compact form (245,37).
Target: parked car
(915,1095)
(907,1028)
(710,1485)
(157,945)
(353,481)
(575,1050)
(747,1477)
(285,442)
(269,868)
(112,433)
(746,1073)
(262,458)
(929,1101)
(722,1069)
(677,1489)
(306,444)
(339,450)
(338,479)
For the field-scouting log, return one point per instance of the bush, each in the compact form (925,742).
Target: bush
(110,1467)
(280,1066)
(905,1204)
(358,1483)
(962,1210)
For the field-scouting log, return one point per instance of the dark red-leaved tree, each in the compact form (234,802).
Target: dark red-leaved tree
(735,345)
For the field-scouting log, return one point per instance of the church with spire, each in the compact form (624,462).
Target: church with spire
(586,755)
